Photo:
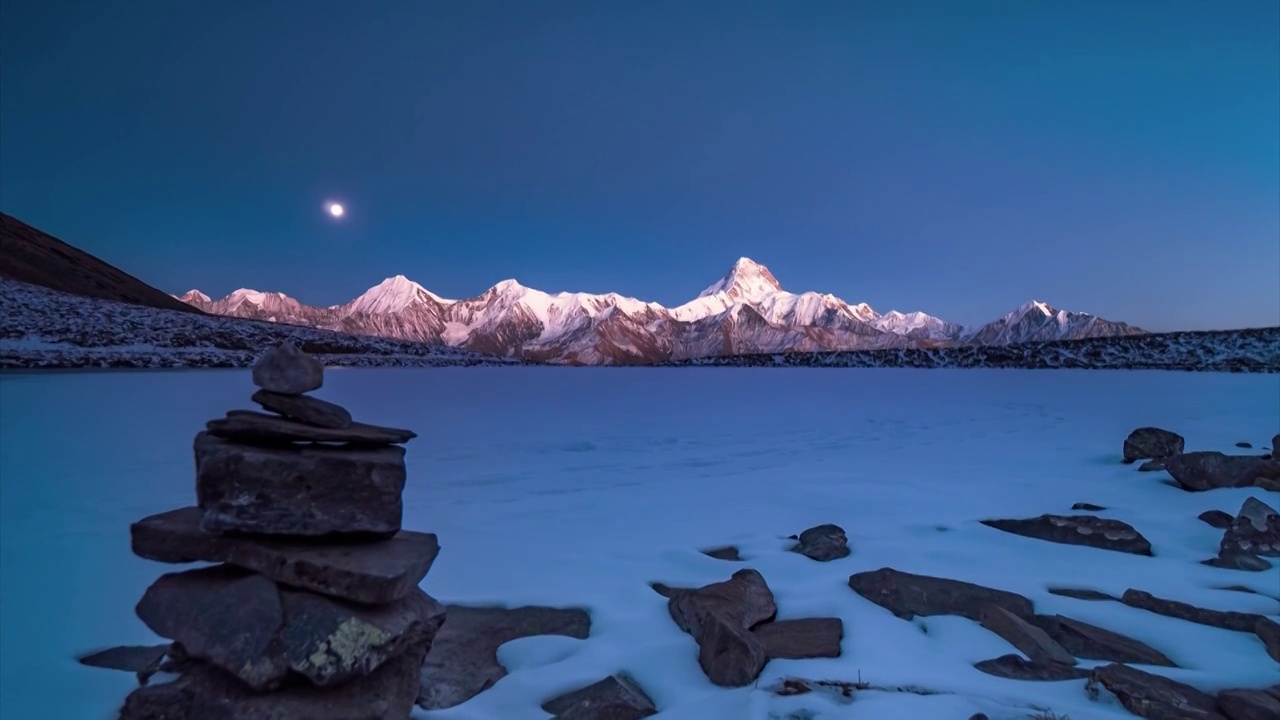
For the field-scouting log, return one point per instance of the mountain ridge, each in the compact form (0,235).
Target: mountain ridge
(746,311)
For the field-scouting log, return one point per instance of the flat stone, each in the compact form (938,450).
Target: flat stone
(377,572)
(256,427)
(1032,641)
(1245,704)
(823,543)
(617,697)
(1016,667)
(1238,561)
(287,370)
(1226,619)
(304,409)
(307,491)
(463,661)
(1243,444)
(1255,530)
(801,639)
(1152,442)
(1153,696)
(907,595)
(204,692)
(1091,642)
(1084,530)
(142,660)
(728,552)
(1199,471)
(260,632)
(1089,507)
(1268,631)
(1081,594)
(1216,518)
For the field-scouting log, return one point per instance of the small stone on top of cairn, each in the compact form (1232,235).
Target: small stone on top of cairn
(314,610)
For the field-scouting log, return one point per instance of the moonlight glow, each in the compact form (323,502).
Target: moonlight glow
(335,209)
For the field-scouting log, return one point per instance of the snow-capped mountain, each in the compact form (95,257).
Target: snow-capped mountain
(745,312)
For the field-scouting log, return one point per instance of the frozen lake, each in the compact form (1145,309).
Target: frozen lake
(578,487)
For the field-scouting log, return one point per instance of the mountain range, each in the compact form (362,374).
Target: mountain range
(746,312)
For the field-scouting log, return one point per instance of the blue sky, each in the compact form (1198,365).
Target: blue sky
(1121,158)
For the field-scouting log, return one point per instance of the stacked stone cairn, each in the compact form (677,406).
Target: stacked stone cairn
(312,609)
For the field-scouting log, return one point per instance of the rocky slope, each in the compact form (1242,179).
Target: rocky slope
(43,328)
(745,312)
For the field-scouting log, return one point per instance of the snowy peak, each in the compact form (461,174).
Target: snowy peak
(746,281)
(194,296)
(391,296)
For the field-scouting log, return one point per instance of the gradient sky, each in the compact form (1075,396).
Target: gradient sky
(1121,158)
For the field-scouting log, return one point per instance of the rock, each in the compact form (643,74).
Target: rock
(1226,619)
(728,552)
(1150,442)
(1249,704)
(463,661)
(1255,530)
(287,370)
(801,639)
(298,491)
(728,653)
(1153,696)
(206,693)
(1091,642)
(259,632)
(1029,639)
(1199,471)
(1275,446)
(1016,667)
(142,660)
(303,409)
(744,599)
(1216,518)
(907,595)
(668,591)
(1084,530)
(1238,561)
(1090,507)
(1152,465)
(377,572)
(1268,631)
(616,697)
(255,427)
(1243,444)
(823,543)
(1080,594)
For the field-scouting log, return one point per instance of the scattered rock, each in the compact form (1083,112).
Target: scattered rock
(1032,641)
(823,543)
(907,595)
(376,572)
(259,632)
(1152,465)
(1080,594)
(1238,561)
(1153,696)
(1091,642)
(728,552)
(1216,518)
(720,616)
(1084,530)
(1150,442)
(801,639)
(287,370)
(1206,470)
(255,427)
(1227,619)
(1090,507)
(1255,530)
(616,697)
(207,693)
(1249,704)
(298,491)
(1243,444)
(309,410)
(1016,667)
(463,661)
(1268,631)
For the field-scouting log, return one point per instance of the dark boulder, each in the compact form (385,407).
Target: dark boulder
(1199,471)
(907,595)
(1229,620)
(1016,667)
(1153,696)
(1081,594)
(801,639)
(1151,442)
(304,409)
(1244,704)
(823,543)
(1084,530)
(1088,507)
(727,552)
(1268,631)
(617,697)
(287,370)
(720,616)
(1032,641)
(1216,518)
(1091,642)
(1255,530)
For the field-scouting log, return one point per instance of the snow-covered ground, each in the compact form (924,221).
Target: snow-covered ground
(578,487)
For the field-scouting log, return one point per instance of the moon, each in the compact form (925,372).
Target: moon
(335,209)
